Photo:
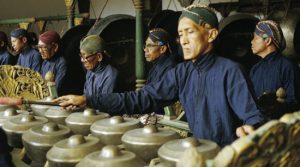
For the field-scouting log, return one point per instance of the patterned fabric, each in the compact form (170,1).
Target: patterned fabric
(159,34)
(58,66)
(92,44)
(49,37)
(270,29)
(200,14)
(30,58)
(214,93)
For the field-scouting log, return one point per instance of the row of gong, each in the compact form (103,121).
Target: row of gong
(66,139)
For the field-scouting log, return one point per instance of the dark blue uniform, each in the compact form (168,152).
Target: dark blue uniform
(4,57)
(30,58)
(213,91)
(58,66)
(100,80)
(160,68)
(273,72)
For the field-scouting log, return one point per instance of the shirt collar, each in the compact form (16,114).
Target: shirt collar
(26,50)
(271,56)
(53,58)
(204,62)
(99,67)
(161,60)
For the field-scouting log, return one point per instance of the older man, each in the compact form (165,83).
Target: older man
(28,56)
(274,71)
(158,51)
(53,61)
(101,77)
(213,90)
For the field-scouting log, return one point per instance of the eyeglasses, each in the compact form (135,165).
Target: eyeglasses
(150,45)
(44,47)
(86,58)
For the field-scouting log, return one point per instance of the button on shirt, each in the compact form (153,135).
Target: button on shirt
(100,80)
(30,58)
(214,93)
(58,66)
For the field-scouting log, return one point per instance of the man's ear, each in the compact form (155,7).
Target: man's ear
(268,41)
(100,57)
(55,47)
(1,44)
(24,39)
(212,34)
(163,49)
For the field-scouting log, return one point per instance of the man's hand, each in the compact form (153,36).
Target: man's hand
(70,102)
(244,130)
(10,101)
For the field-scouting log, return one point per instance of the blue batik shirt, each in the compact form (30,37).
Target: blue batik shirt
(160,68)
(102,79)
(4,57)
(58,66)
(214,93)
(30,58)
(275,71)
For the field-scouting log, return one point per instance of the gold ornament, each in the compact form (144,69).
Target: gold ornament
(19,82)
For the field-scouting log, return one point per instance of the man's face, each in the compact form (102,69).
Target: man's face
(152,50)
(193,39)
(258,45)
(90,61)
(47,51)
(18,44)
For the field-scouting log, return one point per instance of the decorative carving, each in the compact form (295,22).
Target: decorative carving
(41,24)
(239,153)
(50,79)
(259,162)
(139,4)
(273,139)
(78,21)
(17,81)
(70,3)
(294,133)
(140,83)
(24,25)
(245,152)
(289,158)
(276,144)
(182,133)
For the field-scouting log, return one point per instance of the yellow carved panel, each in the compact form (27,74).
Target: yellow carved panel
(16,81)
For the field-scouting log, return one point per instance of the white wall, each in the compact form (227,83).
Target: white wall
(12,9)
(112,7)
